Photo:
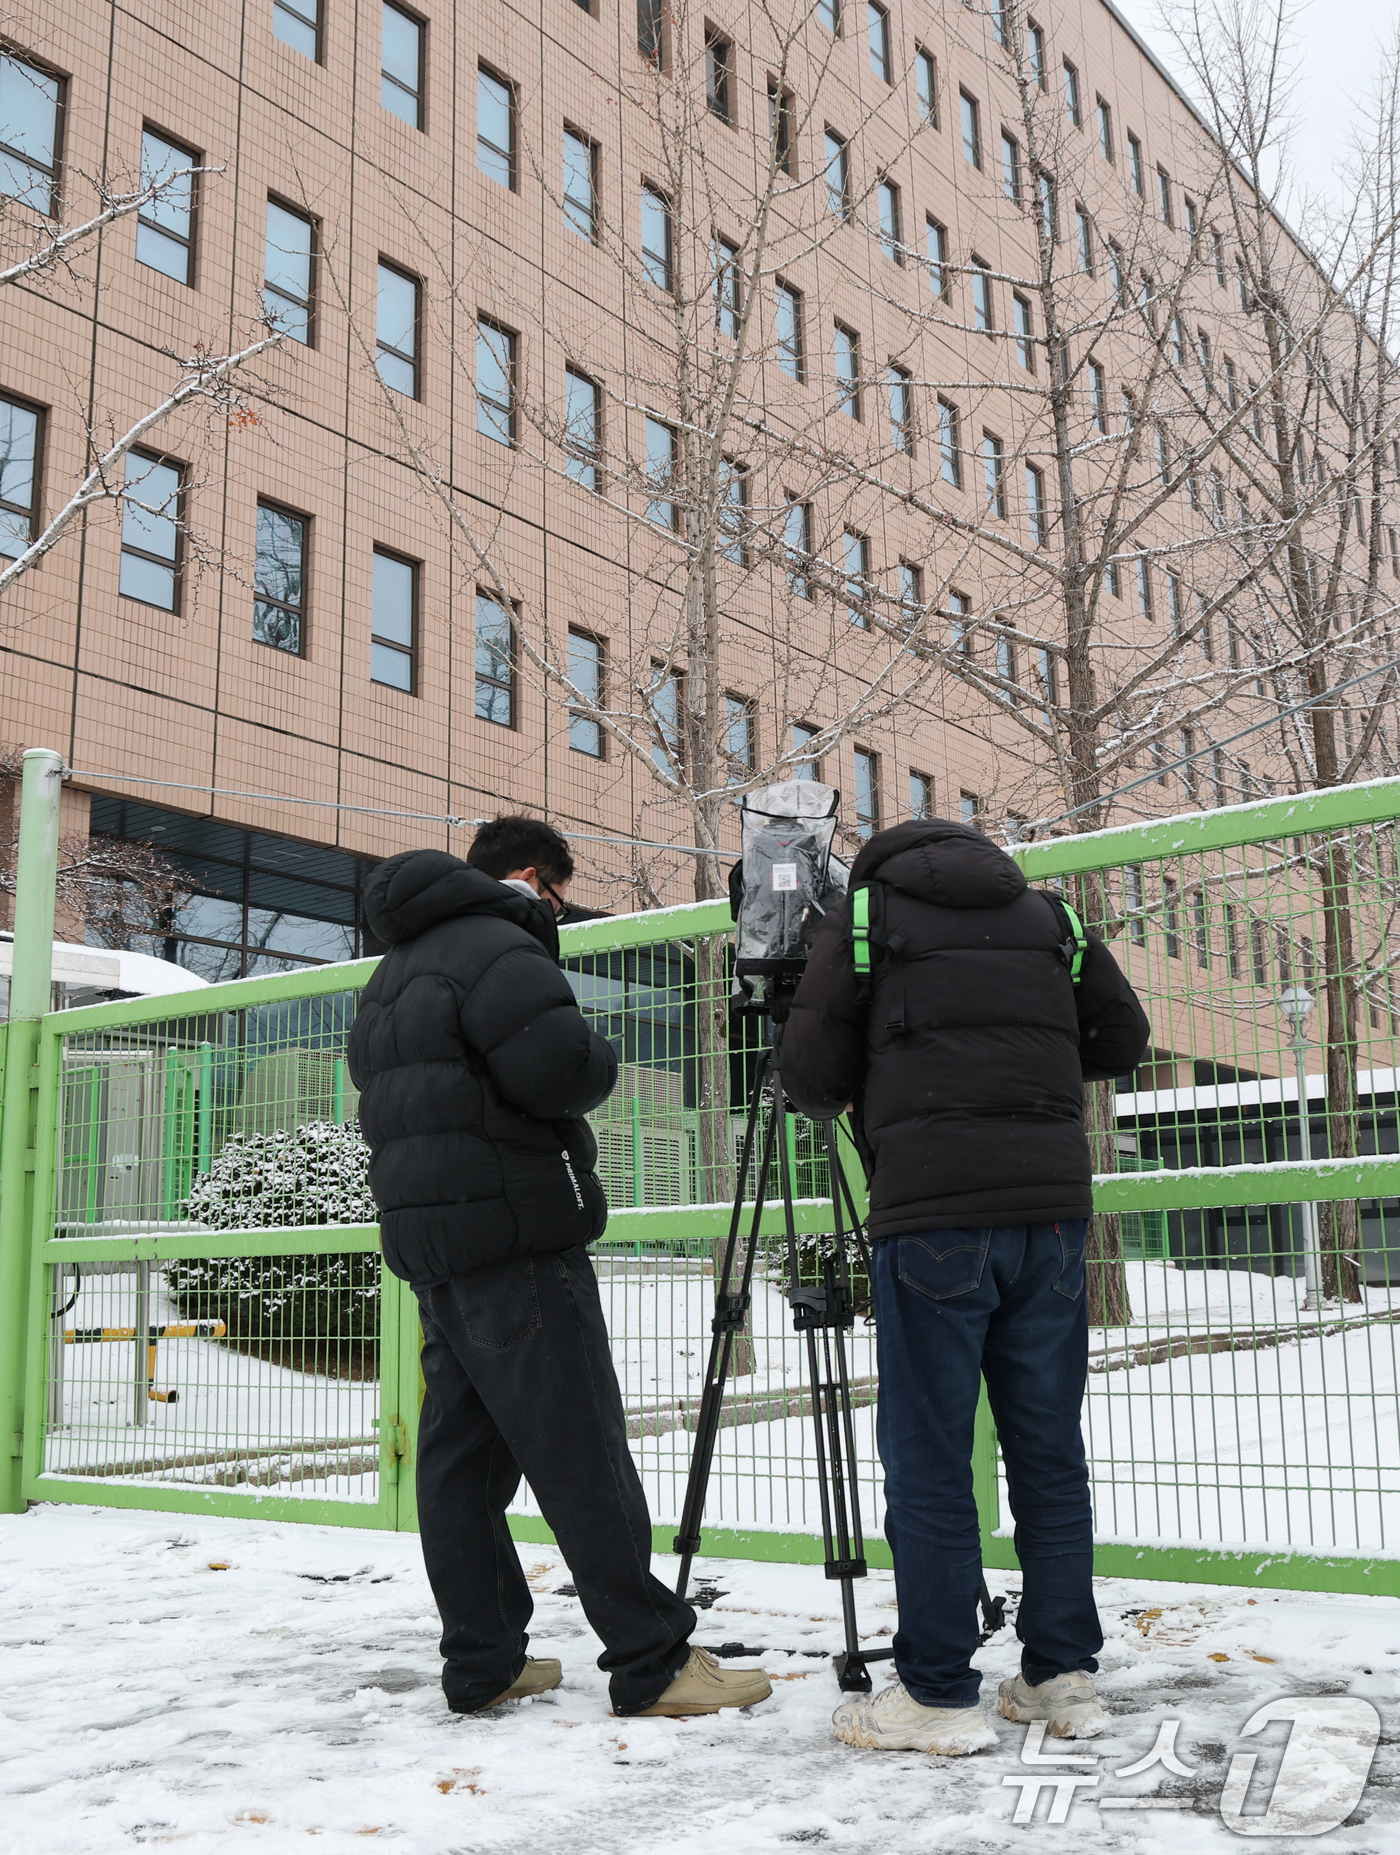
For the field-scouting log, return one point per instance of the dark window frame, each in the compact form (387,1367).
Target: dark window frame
(189,158)
(796,349)
(54,169)
(587,456)
(311,305)
(32,515)
(175,566)
(577,717)
(719,75)
(302,612)
(392,644)
(508,682)
(509,155)
(512,368)
(414,360)
(293,7)
(970,120)
(420,95)
(666,261)
(780,135)
(866,823)
(571,206)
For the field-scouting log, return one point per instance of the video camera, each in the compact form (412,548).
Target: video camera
(786,879)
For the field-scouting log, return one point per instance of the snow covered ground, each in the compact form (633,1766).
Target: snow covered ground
(224,1684)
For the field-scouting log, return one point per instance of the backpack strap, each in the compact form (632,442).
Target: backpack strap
(1075,944)
(869,942)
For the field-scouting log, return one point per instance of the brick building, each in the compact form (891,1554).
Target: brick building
(455,216)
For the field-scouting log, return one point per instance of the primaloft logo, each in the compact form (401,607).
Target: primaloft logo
(573,1178)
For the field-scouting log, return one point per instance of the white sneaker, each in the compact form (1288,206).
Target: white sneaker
(893,1721)
(1068,1705)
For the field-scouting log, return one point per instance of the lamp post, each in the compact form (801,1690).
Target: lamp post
(1296,1005)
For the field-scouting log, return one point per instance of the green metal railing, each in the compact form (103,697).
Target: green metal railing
(201,1227)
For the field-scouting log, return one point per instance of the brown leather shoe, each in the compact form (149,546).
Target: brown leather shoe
(703,1686)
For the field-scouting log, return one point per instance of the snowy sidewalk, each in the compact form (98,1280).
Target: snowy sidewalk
(228,1685)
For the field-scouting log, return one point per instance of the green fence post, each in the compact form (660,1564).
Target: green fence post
(31,986)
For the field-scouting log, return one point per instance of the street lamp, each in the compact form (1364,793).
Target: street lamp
(1296,1005)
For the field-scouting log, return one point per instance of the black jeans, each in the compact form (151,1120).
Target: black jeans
(953,1307)
(520,1381)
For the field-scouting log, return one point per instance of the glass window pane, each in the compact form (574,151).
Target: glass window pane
(578,184)
(153,528)
(288,265)
(31,186)
(277,932)
(387,665)
(279,560)
(289,25)
(158,252)
(493,383)
(173,206)
(398,373)
(401,56)
(28,110)
(392,603)
(19,438)
(494,128)
(397,315)
(147,581)
(656,238)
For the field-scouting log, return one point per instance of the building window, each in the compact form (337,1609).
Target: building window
(993,471)
(788,322)
(960,634)
(1000,31)
(1074,109)
(1049,214)
(1232,389)
(1203,624)
(1174,603)
(1011,167)
(394,622)
(1135,164)
(1045,675)
(797,542)
(656,237)
(1171,919)
(581,185)
(1035,44)
(1217,245)
(150,564)
(1242,284)
(279,579)
(1178,341)
(651,31)
(867,792)
(857,579)
(881,57)
(920,795)
(719,75)
(586,674)
(1084,234)
(402,64)
(726,286)
(583,427)
(396,330)
(495,382)
(1025,341)
(1098,397)
(981,296)
(1144,587)
(847,371)
(949,449)
(1035,504)
(970,809)
(298,24)
(1192,219)
(938,280)
(926,81)
(21,433)
(1203,356)
(838,175)
(495,661)
(911,594)
(891,232)
(971,129)
(662,458)
(289,272)
(734,512)
(495,127)
(802,734)
(1117,276)
(1164,195)
(1105,120)
(1134,904)
(829,13)
(165,224)
(901,410)
(1006,666)
(780,129)
(31,115)
(667,699)
(740,738)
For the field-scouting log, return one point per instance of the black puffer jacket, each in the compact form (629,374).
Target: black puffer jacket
(475,1065)
(974,1115)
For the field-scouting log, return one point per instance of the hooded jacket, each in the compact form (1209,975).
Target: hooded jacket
(475,1067)
(969,1112)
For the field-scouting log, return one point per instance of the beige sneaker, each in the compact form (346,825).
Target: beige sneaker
(538,1676)
(893,1721)
(703,1686)
(1068,1705)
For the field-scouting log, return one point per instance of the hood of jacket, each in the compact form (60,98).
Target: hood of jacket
(412,892)
(952,865)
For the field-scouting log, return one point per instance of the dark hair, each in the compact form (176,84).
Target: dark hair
(516,843)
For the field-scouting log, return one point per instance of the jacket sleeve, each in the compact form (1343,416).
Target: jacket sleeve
(824,1047)
(521,1015)
(1113,1027)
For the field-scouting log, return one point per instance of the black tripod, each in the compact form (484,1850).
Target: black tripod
(825,1310)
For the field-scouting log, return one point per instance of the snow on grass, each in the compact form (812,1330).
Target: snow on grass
(219,1684)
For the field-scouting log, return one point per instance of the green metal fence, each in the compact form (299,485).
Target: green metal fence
(209,1328)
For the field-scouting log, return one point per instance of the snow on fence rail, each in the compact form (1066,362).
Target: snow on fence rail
(198,1166)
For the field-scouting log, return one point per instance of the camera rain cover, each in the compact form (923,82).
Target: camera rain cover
(787,834)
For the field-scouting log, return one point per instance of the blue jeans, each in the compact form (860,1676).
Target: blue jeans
(953,1307)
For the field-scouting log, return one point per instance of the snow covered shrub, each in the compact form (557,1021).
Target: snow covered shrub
(323,1309)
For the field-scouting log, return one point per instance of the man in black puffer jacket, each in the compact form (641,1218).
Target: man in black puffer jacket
(476,1067)
(965,1052)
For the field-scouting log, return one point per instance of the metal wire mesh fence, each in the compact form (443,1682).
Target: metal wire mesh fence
(210,1323)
